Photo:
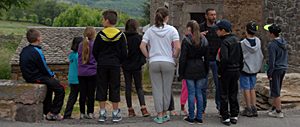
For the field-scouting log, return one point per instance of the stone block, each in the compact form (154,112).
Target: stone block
(29,113)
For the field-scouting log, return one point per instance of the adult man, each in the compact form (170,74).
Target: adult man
(214,41)
(278,64)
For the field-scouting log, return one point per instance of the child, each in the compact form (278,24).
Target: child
(278,64)
(73,77)
(163,45)
(193,66)
(132,67)
(231,63)
(34,69)
(87,70)
(253,59)
(110,52)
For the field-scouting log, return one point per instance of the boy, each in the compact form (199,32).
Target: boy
(253,59)
(35,70)
(109,51)
(278,64)
(231,62)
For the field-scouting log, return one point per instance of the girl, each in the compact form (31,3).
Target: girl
(193,67)
(87,69)
(73,77)
(132,67)
(163,45)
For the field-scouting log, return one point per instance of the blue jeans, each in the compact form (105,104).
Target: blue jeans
(214,68)
(195,90)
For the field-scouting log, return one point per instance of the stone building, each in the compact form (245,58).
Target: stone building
(240,12)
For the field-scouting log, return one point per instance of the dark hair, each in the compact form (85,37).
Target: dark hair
(75,43)
(160,15)
(209,9)
(131,25)
(275,29)
(195,29)
(32,35)
(111,16)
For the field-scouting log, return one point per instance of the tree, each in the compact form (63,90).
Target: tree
(146,9)
(7,4)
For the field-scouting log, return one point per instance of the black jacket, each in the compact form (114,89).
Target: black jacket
(193,62)
(110,47)
(135,59)
(33,64)
(231,54)
(214,42)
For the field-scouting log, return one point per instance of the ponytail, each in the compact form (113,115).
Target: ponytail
(195,30)
(89,34)
(160,15)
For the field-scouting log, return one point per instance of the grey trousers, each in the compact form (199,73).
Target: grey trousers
(161,75)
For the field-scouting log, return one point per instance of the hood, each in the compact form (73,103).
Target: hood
(250,48)
(110,34)
(161,31)
(281,42)
(129,34)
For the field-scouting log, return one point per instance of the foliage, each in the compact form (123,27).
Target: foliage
(7,4)
(146,10)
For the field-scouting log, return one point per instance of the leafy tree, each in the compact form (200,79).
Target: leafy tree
(7,4)
(146,9)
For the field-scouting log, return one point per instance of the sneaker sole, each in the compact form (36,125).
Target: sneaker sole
(115,121)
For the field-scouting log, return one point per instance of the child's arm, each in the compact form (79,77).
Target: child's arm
(42,64)
(123,48)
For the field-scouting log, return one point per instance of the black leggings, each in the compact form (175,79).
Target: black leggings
(87,85)
(137,76)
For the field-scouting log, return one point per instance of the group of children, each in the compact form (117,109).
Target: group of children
(96,61)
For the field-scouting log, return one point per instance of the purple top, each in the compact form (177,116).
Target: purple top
(90,68)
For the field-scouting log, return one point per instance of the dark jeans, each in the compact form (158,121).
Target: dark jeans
(229,91)
(109,79)
(172,104)
(53,85)
(137,77)
(74,88)
(214,69)
(87,85)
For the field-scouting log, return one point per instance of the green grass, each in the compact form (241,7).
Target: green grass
(15,28)
(11,34)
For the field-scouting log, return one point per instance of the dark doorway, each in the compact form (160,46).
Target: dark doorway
(199,17)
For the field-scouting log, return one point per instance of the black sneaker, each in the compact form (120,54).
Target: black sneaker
(254,111)
(199,121)
(233,120)
(226,122)
(247,112)
(190,121)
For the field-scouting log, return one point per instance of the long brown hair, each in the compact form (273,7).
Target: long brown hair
(89,34)
(195,29)
(131,26)
(160,15)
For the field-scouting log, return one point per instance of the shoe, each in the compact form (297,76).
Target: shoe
(82,116)
(54,117)
(276,114)
(233,120)
(116,117)
(199,121)
(183,113)
(158,120)
(145,113)
(226,122)
(89,116)
(247,112)
(173,113)
(102,116)
(254,111)
(188,120)
(131,112)
(166,118)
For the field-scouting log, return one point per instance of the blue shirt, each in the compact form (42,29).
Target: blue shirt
(73,68)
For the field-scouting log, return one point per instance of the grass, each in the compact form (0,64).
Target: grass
(11,34)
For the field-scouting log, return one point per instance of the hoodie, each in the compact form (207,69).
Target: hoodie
(73,68)
(252,54)
(160,42)
(110,47)
(135,59)
(278,55)
(90,68)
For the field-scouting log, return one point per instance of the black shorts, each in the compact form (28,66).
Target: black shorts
(276,82)
(109,81)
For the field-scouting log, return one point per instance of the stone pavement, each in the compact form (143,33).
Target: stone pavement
(211,119)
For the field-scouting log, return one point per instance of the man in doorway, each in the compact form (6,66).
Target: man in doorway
(214,42)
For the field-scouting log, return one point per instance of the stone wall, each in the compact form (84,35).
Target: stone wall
(21,101)
(287,14)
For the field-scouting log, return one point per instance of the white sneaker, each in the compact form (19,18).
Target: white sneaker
(275,114)
(90,116)
(82,116)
